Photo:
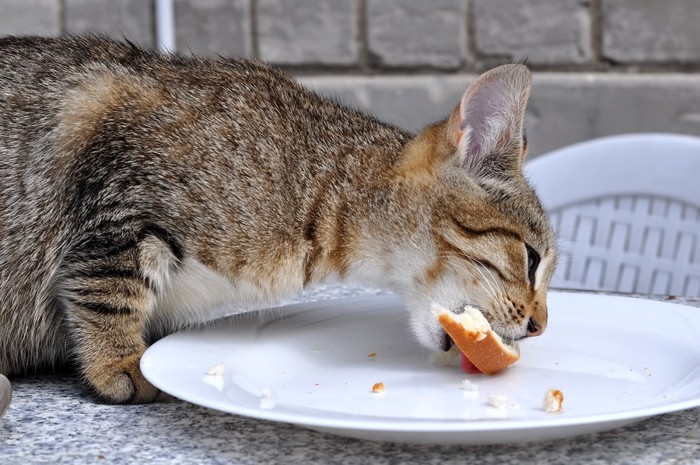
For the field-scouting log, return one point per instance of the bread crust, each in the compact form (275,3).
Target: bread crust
(485,350)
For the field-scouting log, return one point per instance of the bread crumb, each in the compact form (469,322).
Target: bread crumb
(497,401)
(378,388)
(216,370)
(372,355)
(469,386)
(553,399)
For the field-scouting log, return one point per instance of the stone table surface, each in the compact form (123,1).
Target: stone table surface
(52,420)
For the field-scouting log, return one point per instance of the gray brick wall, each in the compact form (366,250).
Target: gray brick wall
(601,66)
(209,27)
(308,32)
(132,19)
(405,34)
(544,31)
(651,31)
(30,17)
(415,36)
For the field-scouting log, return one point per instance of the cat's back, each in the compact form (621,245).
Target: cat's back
(42,80)
(38,65)
(46,66)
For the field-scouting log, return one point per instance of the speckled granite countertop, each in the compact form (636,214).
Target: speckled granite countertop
(51,420)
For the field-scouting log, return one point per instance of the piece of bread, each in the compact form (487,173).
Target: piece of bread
(472,334)
(553,399)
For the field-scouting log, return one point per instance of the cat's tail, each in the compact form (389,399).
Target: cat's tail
(5,395)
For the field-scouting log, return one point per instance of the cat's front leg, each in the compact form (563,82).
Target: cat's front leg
(107,301)
(108,335)
(108,353)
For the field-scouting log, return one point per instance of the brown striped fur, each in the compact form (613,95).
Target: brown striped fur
(139,191)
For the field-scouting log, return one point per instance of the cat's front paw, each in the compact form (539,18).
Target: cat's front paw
(121,382)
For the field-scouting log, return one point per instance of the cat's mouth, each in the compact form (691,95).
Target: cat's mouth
(446,341)
(467,366)
(470,323)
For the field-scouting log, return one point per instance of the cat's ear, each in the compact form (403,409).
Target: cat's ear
(487,125)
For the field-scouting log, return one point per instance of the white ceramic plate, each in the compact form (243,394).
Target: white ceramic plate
(617,360)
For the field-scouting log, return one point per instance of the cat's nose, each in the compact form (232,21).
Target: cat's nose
(533,328)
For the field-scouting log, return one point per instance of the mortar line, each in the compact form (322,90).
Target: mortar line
(361,39)
(596,12)
(470,65)
(252,23)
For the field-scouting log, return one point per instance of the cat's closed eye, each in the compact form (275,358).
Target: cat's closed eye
(533,261)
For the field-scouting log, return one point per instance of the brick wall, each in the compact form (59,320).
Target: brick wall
(601,66)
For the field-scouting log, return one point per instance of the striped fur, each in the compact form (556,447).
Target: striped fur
(140,191)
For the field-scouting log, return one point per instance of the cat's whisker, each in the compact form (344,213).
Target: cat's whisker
(496,281)
(493,286)
(493,291)
(490,289)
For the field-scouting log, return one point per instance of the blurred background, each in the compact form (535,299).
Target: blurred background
(601,67)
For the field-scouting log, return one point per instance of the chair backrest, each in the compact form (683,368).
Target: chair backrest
(626,210)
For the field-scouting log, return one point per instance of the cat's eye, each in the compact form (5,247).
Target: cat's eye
(533,260)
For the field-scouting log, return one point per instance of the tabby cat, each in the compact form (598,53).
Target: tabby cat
(139,191)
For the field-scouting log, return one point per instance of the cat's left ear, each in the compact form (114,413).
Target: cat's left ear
(487,125)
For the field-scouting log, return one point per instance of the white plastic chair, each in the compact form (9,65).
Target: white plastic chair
(626,210)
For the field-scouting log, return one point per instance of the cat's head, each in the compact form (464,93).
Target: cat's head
(480,236)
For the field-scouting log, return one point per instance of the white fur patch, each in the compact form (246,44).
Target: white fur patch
(539,274)
(196,294)
(156,260)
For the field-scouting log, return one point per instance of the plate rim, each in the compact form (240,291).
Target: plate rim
(345,421)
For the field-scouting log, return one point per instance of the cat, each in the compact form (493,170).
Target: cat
(139,191)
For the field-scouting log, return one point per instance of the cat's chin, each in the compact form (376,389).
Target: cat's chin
(430,334)
(424,325)
(427,330)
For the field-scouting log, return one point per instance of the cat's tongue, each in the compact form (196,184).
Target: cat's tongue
(468,366)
